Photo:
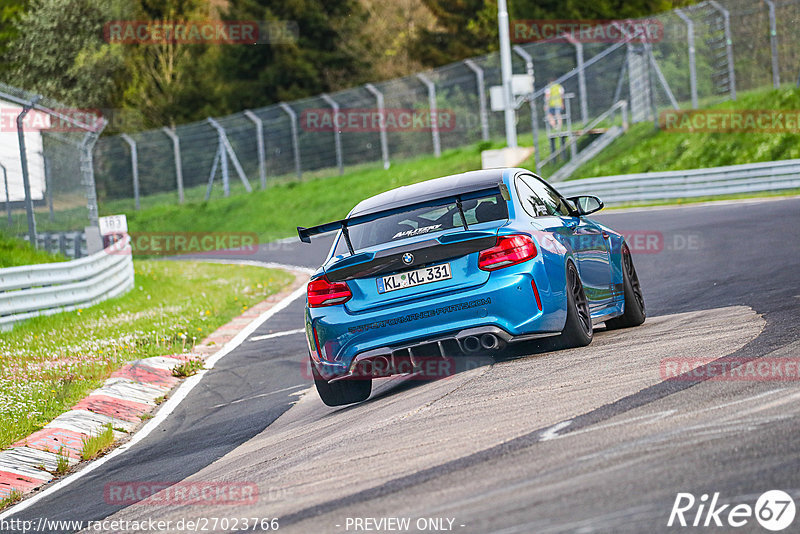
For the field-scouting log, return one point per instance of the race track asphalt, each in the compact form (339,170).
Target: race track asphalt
(584,440)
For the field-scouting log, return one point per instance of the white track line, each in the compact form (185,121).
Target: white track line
(170,405)
(278,334)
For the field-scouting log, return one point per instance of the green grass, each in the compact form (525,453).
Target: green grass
(94,446)
(187,368)
(646,149)
(16,252)
(47,364)
(11,498)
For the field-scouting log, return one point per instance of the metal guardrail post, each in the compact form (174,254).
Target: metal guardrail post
(726,15)
(134,167)
(295,142)
(262,159)
(437,144)
(692,61)
(479,79)
(8,194)
(176,155)
(26,184)
(531,102)
(773,41)
(382,112)
(337,133)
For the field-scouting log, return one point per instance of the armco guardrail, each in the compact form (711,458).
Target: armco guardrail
(715,181)
(49,288)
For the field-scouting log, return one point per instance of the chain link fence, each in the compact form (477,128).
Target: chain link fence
(46,159)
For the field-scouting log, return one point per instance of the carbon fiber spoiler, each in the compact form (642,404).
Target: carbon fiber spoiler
(306,234)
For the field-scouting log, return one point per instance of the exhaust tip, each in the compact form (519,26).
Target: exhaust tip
(491,342)
(471,344)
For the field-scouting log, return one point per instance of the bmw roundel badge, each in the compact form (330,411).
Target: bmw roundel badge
(408,258)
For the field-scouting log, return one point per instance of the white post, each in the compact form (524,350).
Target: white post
(337,133)
(262,163)
(505,68)
(692,63)
(134,167)
(437,145)
(481,97)
(382,111)
(176,155)
(295,142)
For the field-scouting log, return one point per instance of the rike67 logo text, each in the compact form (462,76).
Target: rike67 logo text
(774,510)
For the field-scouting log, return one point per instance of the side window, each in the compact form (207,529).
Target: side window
(531,203)
(548,201)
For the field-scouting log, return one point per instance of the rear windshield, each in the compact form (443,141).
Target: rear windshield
(424,221)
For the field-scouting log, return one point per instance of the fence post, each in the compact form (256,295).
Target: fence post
(437,145)
(382,111)
(295,143)
(481,97)
(47,184)
(225,151)
(23,157)
(728,45)
(262,160)
(532,103)
(176,154)
(773,41)
(337,133)
(87,169)
(692,62)
(581,77)
(8,195)
(134,167)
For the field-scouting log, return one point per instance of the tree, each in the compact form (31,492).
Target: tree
(468,28)
(328,53)
(59,52)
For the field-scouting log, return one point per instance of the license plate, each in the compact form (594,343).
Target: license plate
(418,277)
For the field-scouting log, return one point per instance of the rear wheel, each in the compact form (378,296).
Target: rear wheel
(578,330)
(341,392)
(634,311)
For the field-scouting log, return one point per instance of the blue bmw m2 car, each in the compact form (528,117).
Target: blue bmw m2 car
(461,265)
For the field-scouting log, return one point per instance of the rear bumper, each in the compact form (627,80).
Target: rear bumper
(385,361)
(505,305)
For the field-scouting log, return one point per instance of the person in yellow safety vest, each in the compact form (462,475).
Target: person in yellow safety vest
(554,103)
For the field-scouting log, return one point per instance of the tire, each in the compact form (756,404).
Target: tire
(634,312)
(578,331)
(343,391)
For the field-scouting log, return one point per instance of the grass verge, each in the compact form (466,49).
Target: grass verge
(94,446)
(16,252)
(11,498)
(47,364)
(643,148)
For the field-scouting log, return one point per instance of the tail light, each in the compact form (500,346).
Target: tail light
(509,250)
(322,292)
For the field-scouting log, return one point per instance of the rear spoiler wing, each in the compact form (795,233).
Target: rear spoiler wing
(305,234)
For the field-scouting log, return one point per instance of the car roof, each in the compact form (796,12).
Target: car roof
(430,190)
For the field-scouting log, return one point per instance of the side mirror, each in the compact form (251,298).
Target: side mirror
(586,204)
